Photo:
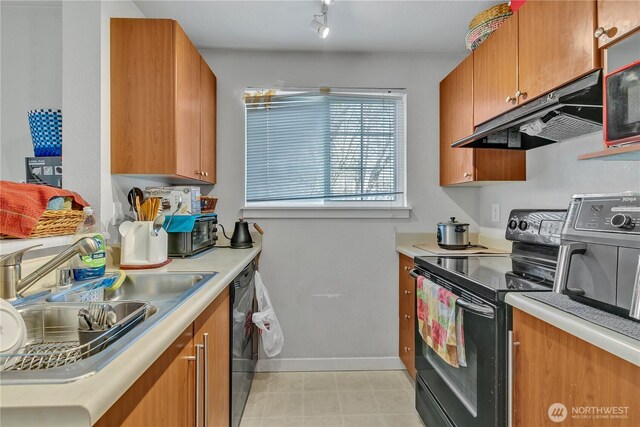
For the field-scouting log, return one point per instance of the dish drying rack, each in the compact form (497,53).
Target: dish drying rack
(54,339)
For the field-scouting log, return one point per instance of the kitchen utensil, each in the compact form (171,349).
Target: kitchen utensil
(178,206)
(241,237)
(453,234)
(157,224)
(142,247)
(134,193)
(13,330)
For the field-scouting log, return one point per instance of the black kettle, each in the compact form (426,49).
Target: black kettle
(241,238)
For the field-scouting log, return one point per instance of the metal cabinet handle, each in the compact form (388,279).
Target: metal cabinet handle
(521,94)
(511,364)
(634,311)
(407,349)
(206,173)
(566,252)
(198,361)
(407,292)
(205,394)
(406,268)
(467,174)
(511,99)
(406,316)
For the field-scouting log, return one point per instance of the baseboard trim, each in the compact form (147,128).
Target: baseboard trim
(330,364)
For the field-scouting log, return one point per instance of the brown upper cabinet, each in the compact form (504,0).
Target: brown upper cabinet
(555,45)
(495,73)
(469,165)
(163,103)
(540,48)
(616,19)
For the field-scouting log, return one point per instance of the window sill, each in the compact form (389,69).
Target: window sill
(324,212)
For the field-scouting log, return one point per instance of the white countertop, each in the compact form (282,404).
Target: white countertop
(83,402)
(405,243)
(620,345)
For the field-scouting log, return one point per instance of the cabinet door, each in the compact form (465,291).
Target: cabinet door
(618,18)
(456,122)
(164,395)
(207,123)
(142,97)
(555,44)
(187,110)
(212,329)
(407,309)
(495,71)
(552,366)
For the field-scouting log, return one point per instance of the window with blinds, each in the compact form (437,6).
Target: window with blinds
(325,147)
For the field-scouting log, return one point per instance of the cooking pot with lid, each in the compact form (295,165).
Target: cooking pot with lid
(453,234)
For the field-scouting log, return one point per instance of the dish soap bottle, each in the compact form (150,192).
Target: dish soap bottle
(89,266)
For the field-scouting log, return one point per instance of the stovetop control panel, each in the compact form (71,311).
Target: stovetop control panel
(541,227)
(619,213)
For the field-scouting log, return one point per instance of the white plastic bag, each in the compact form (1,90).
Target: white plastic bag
(265,319)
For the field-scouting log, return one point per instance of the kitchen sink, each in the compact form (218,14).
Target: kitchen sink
(52,324)
(136,286)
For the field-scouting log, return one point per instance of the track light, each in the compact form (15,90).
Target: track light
(319,24)
(320,28)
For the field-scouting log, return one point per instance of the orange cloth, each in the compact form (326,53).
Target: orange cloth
(22,205)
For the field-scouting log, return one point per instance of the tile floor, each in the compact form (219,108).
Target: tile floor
(331,399)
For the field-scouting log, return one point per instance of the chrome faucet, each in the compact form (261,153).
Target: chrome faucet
(11,283)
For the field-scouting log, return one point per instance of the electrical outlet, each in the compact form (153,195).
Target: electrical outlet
(495,212)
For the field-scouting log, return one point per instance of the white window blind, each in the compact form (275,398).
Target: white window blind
(325,147)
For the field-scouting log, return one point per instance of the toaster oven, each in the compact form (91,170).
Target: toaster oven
(202,237)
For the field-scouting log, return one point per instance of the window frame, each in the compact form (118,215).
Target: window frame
(337,208)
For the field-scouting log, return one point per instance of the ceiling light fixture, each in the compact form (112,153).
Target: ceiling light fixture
(319,24)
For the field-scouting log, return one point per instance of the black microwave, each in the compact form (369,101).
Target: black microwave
(622,105)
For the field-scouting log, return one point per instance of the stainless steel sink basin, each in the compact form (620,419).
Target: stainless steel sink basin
(137,286)
(164,291)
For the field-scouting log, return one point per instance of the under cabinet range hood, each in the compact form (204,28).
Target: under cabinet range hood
(571,111)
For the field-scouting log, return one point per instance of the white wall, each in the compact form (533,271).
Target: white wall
(86,97)
(334,281)
(553,175)
(31,50)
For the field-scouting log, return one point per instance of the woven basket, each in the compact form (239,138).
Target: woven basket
(489,14)
(208,204)
(478,34)
(55,223)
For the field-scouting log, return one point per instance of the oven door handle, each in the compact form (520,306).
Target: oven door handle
(480,310)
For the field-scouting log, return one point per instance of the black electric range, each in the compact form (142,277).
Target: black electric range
(477,394)
(490,277)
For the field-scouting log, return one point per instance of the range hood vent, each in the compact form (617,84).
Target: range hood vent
(571,111)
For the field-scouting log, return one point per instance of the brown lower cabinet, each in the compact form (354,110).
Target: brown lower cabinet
(552,367)
(407,310)
(167,394)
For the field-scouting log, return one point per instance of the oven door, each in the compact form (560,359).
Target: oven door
(473,395)
(201,235)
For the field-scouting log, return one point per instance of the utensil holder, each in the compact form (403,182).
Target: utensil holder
(141,246)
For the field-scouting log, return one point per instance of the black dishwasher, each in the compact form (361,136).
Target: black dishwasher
(244,354)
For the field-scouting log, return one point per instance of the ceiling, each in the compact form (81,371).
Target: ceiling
(426,26)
